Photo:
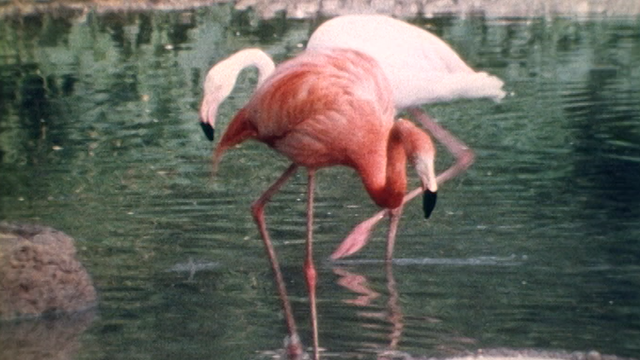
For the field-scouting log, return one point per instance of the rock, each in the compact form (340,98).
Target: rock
(40,274)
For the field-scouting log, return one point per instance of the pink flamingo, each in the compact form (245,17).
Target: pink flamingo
(324,108)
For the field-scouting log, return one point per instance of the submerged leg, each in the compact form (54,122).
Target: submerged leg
(309,269)
(294,347)
(359,236)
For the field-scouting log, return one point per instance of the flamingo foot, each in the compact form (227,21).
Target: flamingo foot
(358,238)
(293,346)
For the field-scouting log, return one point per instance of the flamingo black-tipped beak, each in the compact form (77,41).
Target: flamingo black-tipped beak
(429,202)
(209,131)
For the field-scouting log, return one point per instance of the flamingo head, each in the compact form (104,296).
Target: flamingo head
(218,85)
(422,154)
(425,167)
(208,113)
(221,79)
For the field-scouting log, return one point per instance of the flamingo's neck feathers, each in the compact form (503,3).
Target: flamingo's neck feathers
(221,79)
(385,177)
(421,151)
(264,63)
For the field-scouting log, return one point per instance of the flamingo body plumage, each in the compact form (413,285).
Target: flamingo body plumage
(421,67)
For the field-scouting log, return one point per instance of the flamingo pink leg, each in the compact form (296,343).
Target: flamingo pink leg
(394,220)
(309,268)
(359,236)
(294,346)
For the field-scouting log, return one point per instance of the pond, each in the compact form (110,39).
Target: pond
(536,246)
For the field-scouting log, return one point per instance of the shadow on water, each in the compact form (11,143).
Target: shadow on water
(535,247)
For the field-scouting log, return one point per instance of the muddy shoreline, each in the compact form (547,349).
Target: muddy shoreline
(312,8)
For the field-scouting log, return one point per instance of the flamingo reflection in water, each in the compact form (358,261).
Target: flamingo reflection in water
(392,313)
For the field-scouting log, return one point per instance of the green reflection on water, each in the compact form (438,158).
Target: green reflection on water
(98,137)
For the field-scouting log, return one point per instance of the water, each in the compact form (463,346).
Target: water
(536,246)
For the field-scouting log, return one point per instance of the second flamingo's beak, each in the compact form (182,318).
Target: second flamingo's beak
(429,202)
(209,131)
(207,114)
(426,170)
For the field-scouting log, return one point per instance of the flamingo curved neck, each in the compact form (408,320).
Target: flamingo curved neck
(222,77)
(385,176)
(388,188)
